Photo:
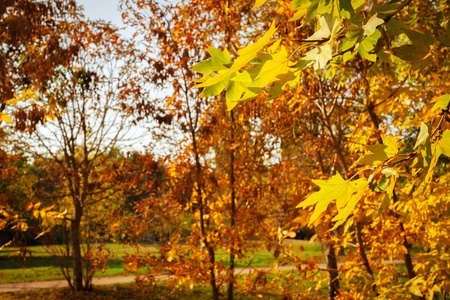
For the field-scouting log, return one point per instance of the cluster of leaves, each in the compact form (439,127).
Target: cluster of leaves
(360,104)
(361,41)
(34,45)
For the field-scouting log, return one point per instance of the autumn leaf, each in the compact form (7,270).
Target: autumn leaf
(216,63)
(326,27)
(442,102)
(368,44)
(423,135)
(4,117)
(320,55)
(380,152)
(372,24)
(258,3)
(245,56)
(441,146)
(346,193)
(300,9)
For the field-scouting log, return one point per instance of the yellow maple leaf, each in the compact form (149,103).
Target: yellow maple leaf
(346,193)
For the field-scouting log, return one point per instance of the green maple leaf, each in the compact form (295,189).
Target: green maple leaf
(234,91)
(442,103)
(442,146)
(380,152)
(245,56)
(216,63)
(251,82)
(346,193)
(368,44)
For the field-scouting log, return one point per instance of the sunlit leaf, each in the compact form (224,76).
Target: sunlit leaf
(5,118)
(326,27)
(321,55)
(372,24)
(216,63)
(423,135)
(442,146)
(380,152)
(245,56)
(346,193)
(442,102)
(258,3)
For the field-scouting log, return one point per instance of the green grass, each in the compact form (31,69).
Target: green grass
(42,265)
(262,257)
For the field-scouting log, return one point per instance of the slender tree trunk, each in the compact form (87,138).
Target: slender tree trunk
(88,263)
(407,256)
(333,278)
(212,275)
(232,212)
(362,252)
(77,259)
(211,254)
(209,248)
(231,283)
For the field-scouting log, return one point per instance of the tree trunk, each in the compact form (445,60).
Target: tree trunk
(212,275)
(77,259)
(362,253)
(231,283)
(209,248)
(332,266)
(232,212)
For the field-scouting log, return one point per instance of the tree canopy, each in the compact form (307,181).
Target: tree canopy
(281,116)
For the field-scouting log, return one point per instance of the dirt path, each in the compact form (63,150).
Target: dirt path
(51,284)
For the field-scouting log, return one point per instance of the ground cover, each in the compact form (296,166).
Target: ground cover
(42,265)
(170,291)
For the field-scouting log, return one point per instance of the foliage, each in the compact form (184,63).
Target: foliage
(226,195)
(355,45)
(359,103)
(37,39)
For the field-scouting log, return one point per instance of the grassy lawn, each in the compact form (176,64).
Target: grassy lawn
(263,258)
(41,265)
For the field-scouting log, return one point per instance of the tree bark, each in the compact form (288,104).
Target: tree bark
(212,275)
(333,279)
(232,212)
(77,260)
(202,205)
